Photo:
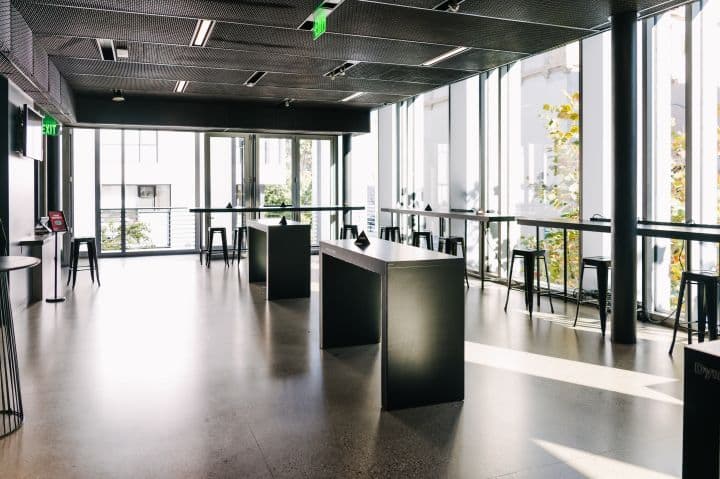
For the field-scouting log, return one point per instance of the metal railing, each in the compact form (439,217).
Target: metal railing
(147,229)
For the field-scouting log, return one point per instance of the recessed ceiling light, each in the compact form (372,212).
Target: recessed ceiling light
(118,96)
(445,56)
(353,96)
(202,32)
(180,86)
(122,52)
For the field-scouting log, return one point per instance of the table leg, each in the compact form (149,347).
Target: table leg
(482,254)
(11,413)
(565,263)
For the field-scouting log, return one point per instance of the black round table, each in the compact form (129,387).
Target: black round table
(11,412)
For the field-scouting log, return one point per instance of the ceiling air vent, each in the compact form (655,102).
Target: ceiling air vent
(449,6)
(107,49)
(340,71)
(254,78)
(328,5)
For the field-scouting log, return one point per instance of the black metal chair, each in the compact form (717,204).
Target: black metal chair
(352,230)
(707,298)
(449,245)
(530,257)
(89,242)
(426,235)
(239,233)
(390,233)
(223,238)
(601,264)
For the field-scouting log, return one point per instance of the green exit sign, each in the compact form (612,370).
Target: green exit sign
(50,126)
(319,22)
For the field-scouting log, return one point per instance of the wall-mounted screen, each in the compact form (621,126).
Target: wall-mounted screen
(32,138)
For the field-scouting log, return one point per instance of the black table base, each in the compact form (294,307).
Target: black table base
(11,408)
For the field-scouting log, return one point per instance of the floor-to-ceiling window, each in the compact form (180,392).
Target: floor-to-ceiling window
(147,183)
(364,177)
(540,142)
(668,170)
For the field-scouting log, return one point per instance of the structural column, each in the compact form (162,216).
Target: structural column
(624,207)
(54,173)
(346,167)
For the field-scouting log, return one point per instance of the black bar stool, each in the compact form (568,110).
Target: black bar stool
(427,235)
(449,245)
(89,242)
(223,238)
(390,233)
(601,264)
(530,257)
(238,235)
(707,297)
(352,230)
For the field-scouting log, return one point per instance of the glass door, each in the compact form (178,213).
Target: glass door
(275,172)
(316,184)
(110,172)
(225,167)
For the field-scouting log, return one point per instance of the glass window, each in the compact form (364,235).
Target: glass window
(668,192)
(83,153)
(541,145)
(363,177)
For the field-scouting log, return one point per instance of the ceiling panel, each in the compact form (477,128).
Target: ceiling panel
(570,13)
(375,99)
(344,84)
(479,60)
(80,22)
(274,41)
(282,13)
(431,76)
(70,66)
(107,84)
(389,21)
(240,91)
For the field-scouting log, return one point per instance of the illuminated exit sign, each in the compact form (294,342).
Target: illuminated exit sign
(319,22)
(49,126)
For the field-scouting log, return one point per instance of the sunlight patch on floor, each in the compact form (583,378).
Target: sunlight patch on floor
(575,372)
(596,466)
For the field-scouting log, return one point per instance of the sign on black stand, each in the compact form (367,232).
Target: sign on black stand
(57,224)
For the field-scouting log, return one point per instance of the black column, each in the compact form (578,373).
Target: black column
(624,209)
(54,173)
(346,166)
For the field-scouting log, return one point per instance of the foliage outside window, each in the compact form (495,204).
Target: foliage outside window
(560,188)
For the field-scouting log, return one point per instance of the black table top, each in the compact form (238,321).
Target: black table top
(444,213)
(382,253)
(275,209)
(706,233)
(12,263)
(264,223)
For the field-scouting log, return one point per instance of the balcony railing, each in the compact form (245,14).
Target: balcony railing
(147,229)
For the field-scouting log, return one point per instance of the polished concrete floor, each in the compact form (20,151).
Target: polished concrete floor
(171,370)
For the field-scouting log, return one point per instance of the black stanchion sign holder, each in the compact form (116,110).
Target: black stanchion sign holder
(57,224)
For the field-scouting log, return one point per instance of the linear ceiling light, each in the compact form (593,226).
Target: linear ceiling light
(353,96)
(202,32)
(180,86)
(445,56)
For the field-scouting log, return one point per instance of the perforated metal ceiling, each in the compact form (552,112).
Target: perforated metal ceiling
(389,40)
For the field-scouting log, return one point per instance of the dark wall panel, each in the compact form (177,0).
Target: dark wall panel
(168,112)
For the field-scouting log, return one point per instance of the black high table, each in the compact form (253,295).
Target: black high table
(11,413)
(345,209)
(412,298)
(650,229)
(279,256)
(483,218)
